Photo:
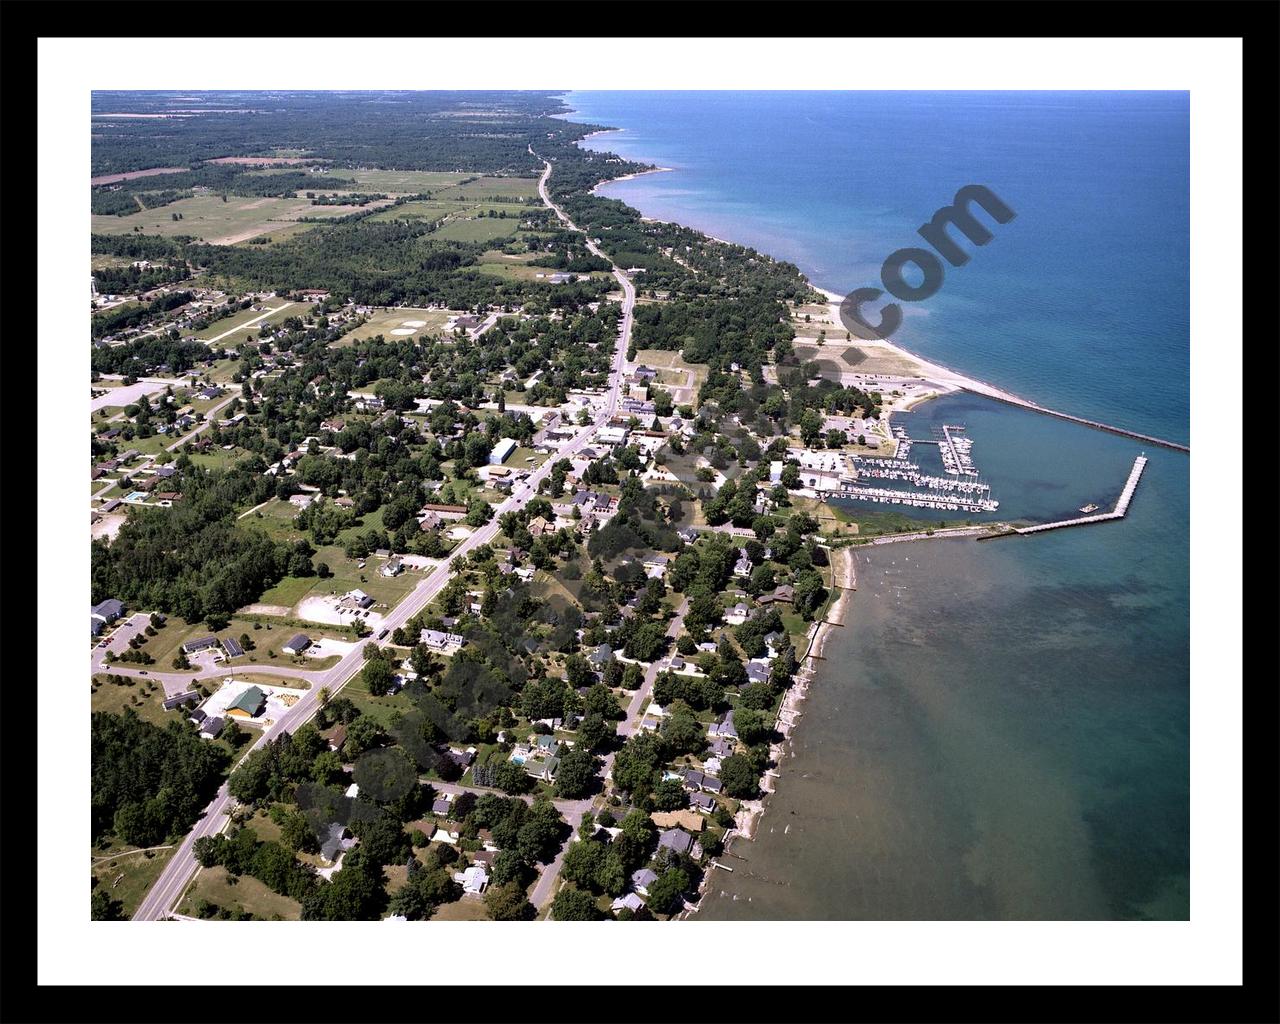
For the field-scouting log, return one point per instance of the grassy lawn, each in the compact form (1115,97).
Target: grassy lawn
(662,359)
(208,218)
(144,696)
(428,210)
(380,709)
(139,871)
(217,886)
(228,323)
(465,909)
(404,182)
(384,321)
(493,188)
(481,229)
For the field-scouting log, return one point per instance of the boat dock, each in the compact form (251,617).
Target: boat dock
(1122,505)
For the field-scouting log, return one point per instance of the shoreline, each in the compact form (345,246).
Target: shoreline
(843,580)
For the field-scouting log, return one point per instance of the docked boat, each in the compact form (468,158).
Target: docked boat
(1091,507)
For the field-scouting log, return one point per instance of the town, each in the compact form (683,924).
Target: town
(483,594)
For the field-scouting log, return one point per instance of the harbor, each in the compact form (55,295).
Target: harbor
(1121,508)
(960,490)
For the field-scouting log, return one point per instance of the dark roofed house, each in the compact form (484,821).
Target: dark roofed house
(441,805)
(336,842)
(642,879)
(203,644)
(197,716)
(723,726)
(108,610)
(601,656)
(338,737)
(298,644)
(675,839)
(210,727)
(704,802)
(189,697)
(784,593)
(232,647)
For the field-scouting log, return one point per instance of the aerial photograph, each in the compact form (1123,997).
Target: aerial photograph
(639,506)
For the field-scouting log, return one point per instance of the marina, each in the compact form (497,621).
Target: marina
(958,491)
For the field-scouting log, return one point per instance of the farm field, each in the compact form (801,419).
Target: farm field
(493,188)
(429,210)
(211,220)
(480,229)
(403,182)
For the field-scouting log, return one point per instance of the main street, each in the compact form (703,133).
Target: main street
(173,880)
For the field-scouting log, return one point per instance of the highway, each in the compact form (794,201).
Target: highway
(173,880)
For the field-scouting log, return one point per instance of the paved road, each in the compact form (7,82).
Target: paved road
(169,886)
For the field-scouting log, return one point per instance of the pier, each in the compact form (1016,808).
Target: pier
(1121,507)
(1000,396)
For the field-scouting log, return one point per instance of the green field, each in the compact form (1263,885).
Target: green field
(403,182)
(217,886)
(279,312)
(481,229)
(208,218)
(430,211)
(493,188)
(144,696)
(139,871)
(384,321)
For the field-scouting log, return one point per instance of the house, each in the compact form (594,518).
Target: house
(656,566)
(211,727)
(473,879)
(723,726)
(438,641)
(742,567)
(298,644)
(600,657)
(430,521)
(197,716)
(502,451)
(687,534)
(391,568)
(630,902)
(249,704)
(191,696)
(758,670)
(203,644)
(462,758)
(544,770)
(301,500)
(676,840)
(338,737)
(703,802)
(107,611)
(644,373)
(737,615)
(442,805)
(232,647)
(336,842)
(548,746)
(164,472)
(353,790)
(357,599)
(723,746)
(110,505)
(784,593)
(642,879)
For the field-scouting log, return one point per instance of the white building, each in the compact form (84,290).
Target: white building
(502,451)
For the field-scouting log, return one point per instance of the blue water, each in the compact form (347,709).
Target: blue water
(1007,733)
(1079,302)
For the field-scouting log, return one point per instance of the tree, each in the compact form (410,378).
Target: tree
(666,894)
(573,904)
(377,676)
(103,908)
(739,777)
(508,903)
(576,775)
